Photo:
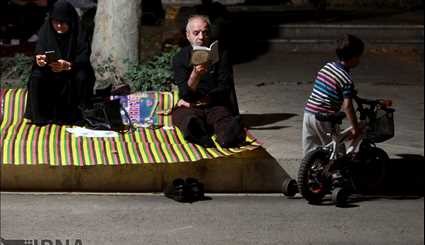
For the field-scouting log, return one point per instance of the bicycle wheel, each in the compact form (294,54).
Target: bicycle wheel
(312,181)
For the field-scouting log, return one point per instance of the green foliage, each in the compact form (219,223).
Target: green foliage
(15,71)
(155,74)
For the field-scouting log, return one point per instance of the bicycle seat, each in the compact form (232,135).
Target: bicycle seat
(334,118)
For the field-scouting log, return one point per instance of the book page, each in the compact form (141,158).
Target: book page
(214,53)
(200,57)
(203,55)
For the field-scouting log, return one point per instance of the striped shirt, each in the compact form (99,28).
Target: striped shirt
(332,85)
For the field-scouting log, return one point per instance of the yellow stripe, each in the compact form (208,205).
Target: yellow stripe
(249,139)
(163,145)
(167,103)
(86,152)
(176,97)
(108,152)
(120,151)
(202,151)
(253,141)
(222,150)
(127,137)
(97,151)
(52,145)
(145,157)
(4,151)
(142,151)
(62,142)
(213,152)
(74,150)
(179,154)
(174,144)
(12,129)
(40,152)
(164,107)
(167,153)
(148,136)
(138,137)
(16,109)
(236,150)
(187,148)
(29,145)
(6,110)
(152,146)
(18,146)
(166,119)
(130,146)
(132,152)
(9,131)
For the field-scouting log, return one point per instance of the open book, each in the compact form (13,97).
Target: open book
(202,55)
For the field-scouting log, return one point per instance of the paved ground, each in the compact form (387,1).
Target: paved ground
(232,220)
(272,91)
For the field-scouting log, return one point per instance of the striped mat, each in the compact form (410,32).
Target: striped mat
(27,144)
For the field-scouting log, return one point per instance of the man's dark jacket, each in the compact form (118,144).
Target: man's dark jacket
(217,84)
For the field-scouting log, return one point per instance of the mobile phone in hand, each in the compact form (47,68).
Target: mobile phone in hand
(51,56)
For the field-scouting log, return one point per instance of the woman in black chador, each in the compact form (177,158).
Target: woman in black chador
(61,82)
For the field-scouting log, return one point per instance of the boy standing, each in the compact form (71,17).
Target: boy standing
(333,91)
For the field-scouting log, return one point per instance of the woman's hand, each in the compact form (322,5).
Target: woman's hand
(40,59)
(60,66)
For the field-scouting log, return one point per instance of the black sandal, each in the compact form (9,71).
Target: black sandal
(195,189)
(176,190)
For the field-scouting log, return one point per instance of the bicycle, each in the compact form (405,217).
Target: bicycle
(333,169)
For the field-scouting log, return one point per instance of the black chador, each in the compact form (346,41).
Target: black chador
(55,97)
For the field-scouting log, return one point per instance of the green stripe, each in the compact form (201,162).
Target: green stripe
(56,146)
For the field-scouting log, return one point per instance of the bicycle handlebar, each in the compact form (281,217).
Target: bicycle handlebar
(384,103)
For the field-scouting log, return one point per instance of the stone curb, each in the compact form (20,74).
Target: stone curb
(247,172)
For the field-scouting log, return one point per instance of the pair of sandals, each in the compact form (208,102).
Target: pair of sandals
(185,191)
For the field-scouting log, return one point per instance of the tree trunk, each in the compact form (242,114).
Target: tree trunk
(115,39)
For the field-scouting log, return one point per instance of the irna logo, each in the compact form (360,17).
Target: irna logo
(40,242)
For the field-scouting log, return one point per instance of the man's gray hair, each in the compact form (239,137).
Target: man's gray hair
(198,17)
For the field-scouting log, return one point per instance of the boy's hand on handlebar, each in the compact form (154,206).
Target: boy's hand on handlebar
(355,133)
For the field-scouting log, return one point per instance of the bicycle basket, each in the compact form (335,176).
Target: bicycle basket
(381,126)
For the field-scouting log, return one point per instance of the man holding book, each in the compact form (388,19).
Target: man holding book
(205,84)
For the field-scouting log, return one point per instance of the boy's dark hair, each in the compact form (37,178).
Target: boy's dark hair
(348,47)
